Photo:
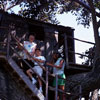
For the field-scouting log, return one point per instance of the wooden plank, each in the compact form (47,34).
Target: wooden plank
(80,65)
(66,50)
(25,79)
(47,83)
(79,68)
(80,92)
(81,40)
(8,45)
(56,89)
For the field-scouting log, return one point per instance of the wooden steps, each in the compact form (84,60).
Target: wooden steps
(22,79)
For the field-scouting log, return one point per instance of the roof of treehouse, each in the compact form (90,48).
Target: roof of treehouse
(36,23)
(29,26)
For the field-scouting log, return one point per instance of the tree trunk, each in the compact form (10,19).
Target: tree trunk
(95,28)
(88,81)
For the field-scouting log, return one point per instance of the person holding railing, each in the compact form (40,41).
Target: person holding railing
(58,69)
(37,68)
(30,47)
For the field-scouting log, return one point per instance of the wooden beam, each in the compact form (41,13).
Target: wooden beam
(66,50)
(56,89)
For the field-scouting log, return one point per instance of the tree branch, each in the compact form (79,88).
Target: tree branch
(95,27)
(85,6)
(3,6)
(79,2)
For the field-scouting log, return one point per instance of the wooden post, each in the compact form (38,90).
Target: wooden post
(66,50)
(45,49)
(56,90)
(8,45)
(46,83)
(80,91)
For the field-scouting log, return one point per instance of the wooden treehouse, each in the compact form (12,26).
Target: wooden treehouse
(49,38)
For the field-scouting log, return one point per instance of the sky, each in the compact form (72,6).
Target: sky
(67,19)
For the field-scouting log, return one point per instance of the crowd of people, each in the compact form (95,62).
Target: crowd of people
(37,60)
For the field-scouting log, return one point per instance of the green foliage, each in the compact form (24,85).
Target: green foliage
(42,11)
(46,10)
(97,4)
(88,56)
(83,17)
(82,14)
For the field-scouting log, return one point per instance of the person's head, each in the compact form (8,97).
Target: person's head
(56,55)
(38,52)
(31,38)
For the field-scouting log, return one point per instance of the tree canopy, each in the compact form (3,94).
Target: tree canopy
(46,10)
(85,10)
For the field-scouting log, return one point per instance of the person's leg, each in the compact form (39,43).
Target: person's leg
(40,72)
(29,73)
(25,66)
(19,62)
(62,87)
(40,84)
(61,84)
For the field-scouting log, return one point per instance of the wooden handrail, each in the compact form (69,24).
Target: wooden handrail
(67,93)
(36,61)
(44,70)
(28,64)
(77,53)
(81,40)
(6,43)
(31,57)
(4,27)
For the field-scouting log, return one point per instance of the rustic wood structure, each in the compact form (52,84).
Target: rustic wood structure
(48,37)
(44,32)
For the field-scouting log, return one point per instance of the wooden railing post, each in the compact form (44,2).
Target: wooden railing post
(80,92)
(8,45)
(56,89)
(46,83)
(66,49)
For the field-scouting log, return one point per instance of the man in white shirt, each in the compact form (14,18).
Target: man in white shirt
(40,59)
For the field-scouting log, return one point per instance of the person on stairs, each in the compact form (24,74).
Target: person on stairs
(58,69)
(37,68)
(30,47)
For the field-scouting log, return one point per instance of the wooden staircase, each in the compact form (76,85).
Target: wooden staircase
(22,79)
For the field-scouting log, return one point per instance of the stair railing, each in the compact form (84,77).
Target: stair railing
(45,69)
(47,72)
(56,89)
(30,57)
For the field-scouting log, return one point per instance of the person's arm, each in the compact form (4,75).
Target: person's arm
(20,46)
(60,65)
(33,51)
(38,60)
